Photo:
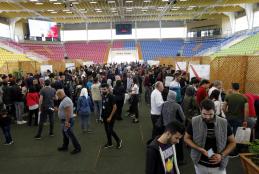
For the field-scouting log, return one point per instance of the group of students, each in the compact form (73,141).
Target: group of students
(193,111)
(206,116)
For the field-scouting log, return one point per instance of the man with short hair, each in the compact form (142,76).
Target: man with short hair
(202,91)
(211,140)
(161,155)
(46,108)
(65,114)
(156,106)
(108,115)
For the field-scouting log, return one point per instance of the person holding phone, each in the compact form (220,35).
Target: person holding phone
(211,140)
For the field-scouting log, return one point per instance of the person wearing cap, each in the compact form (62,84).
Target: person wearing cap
(46,108)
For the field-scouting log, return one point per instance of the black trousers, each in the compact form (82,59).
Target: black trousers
(119,105)
(179,151)
(134,106)
(156,130)
(69,134)
(43,118)
(36,113)
(108,127)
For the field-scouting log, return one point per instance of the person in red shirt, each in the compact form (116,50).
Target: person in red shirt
(202,91)
(251,98)
(32,101)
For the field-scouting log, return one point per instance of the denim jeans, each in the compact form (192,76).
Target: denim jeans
(234,124)
(7,133)
(19,106)
(69,134)
(84,120)
(98,108)
(43,118)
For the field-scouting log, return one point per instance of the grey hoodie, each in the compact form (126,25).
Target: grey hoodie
(172,111)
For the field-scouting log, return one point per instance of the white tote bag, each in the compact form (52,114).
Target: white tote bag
(243,135)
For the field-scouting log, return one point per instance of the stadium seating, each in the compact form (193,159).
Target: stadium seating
(153,48)
(248,46)
(6,56)
(92,51)
(51,51)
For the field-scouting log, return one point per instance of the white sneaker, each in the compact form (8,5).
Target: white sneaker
(19,122)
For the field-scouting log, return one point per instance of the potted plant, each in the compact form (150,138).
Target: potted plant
(250,161)
(254,148)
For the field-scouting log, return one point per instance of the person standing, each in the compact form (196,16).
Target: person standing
(156,106)
(202,91)
(84,107)
(161,156)
(97,99)
(108,114)
(46,107)
(176,87)
(134,100)
(65,114)
(32,101)
(211,140)
(172,111)
(119,93)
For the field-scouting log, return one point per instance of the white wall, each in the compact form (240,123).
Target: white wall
(256,19)
(142,33)
(4,30)
(241,23)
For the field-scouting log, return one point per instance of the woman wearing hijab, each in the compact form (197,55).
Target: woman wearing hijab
(84,107)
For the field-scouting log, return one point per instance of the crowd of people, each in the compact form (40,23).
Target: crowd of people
(195,112)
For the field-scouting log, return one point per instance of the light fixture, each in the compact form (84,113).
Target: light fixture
(147,1)
(50,10)
(65,10)
(111,2)
(69,12)
(144,10)
(57,3)
(93,2)
(82,9)
(160,7)
(97,9)
(75,3)
(53,12)
(114,11)
(53,0)
(34,0)
(39,3)
(129,1)
(165,0)
(183,0)
(174,9)
(130,10)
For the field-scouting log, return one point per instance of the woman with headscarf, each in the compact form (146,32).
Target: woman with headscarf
(84,107)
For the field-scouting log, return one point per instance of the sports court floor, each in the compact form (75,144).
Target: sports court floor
(29,156)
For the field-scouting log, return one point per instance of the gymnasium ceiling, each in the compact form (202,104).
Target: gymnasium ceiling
(92,11)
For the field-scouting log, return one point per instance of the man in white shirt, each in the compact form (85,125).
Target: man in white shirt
(156,106)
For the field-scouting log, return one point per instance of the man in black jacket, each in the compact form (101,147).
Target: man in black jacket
(161,154)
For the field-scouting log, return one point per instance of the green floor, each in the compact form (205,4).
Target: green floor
(29,156)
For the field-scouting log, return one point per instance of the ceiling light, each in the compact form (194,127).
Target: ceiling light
(53,0)
(111,2)
(39,3)
(82,9)
(183,0)
(69,12)
(165,0)
(57,3)
(147,1)
(160,7)
(99,11)
(72,0)
(129,10)
(93,2)
(50,10)
(192,6)
(75,3)
(144,10)
(53,12)
(174,9)
(33,0)
(66,10)
(114,11)
(129,1)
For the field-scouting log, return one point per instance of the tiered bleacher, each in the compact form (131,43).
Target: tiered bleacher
(248,46)
(91,51)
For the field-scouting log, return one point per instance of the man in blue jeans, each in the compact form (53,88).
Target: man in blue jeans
(65,114)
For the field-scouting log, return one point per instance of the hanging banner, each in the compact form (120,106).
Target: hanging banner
(45,68)
(180,66)
(70,66)
(199,71)
(153,62)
